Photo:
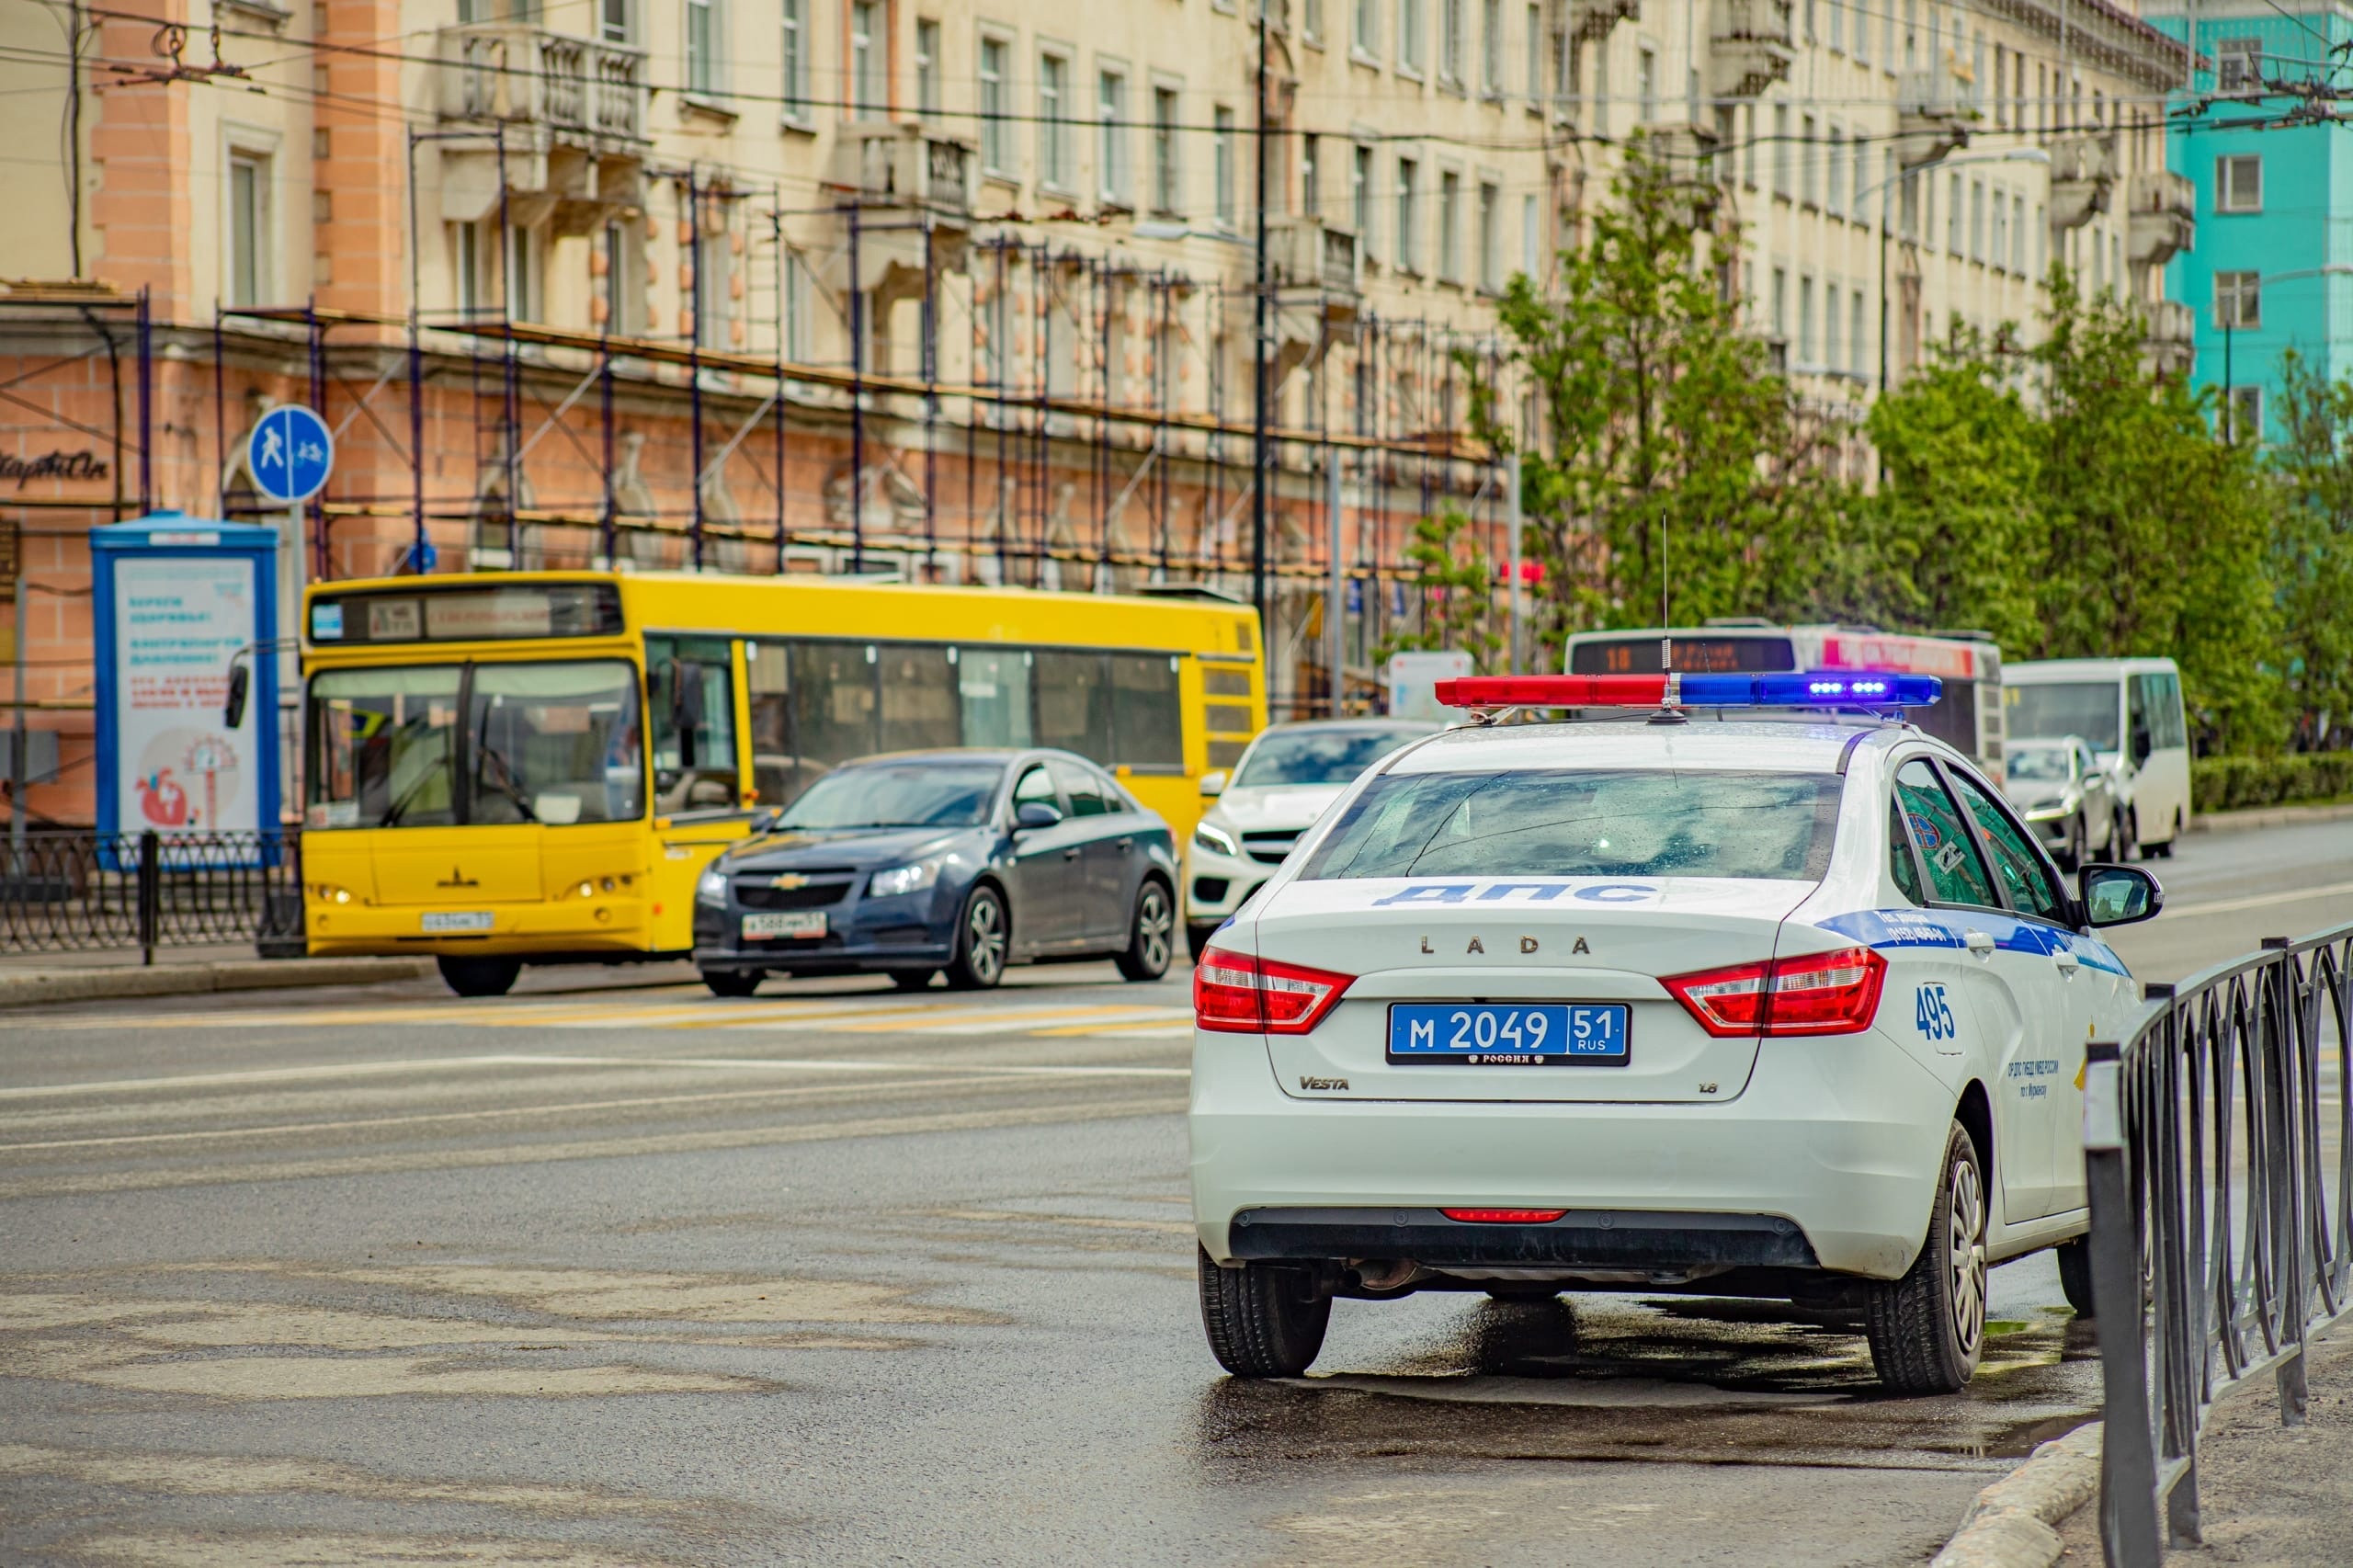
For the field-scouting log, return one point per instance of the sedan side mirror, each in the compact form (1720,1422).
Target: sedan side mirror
(1033,814)
(2118,895)
(1214,784)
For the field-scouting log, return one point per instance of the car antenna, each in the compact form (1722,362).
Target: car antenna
(1669,713)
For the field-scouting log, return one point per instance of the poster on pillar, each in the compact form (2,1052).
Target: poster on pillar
(178,601)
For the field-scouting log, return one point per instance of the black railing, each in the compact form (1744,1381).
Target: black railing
(2219,1143)
(74,892)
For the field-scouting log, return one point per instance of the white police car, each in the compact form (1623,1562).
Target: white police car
(1747,1008)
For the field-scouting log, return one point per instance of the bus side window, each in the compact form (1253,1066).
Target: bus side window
(1073,703)
(833,704)
(779,773)
(691,691)
(1147,713)
(2140,735)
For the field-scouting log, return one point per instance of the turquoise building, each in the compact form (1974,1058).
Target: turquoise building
(2275,201)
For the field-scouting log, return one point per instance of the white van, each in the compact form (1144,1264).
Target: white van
(2129,710)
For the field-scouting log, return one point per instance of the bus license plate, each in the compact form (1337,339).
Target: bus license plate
(458,920)
(1546,1034)
(792,923)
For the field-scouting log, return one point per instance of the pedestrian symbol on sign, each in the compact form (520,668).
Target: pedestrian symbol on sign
(291,454)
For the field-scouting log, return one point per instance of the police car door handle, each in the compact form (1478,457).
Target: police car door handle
(2065,961)
(1071,853)
(1978,942)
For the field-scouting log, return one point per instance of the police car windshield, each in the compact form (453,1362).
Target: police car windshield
(1322,755)
(1648,823)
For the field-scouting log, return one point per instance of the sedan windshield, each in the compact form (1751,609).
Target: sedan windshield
(1321,755)
(2072,707)
(444,744)
(2040,765)
(898,794)
(1586,823)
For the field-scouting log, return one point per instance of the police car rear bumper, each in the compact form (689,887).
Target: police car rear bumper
(1828,1157)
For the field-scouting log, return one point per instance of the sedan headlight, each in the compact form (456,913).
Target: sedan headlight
(1217,840)
(902,880)
(712,888)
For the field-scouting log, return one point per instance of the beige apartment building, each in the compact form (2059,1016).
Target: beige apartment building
(964,289)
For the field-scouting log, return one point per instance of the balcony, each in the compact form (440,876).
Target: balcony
(1591,20)
(2083,178)
(2163,217)
(1687,154)
(1754,43)
(1934,113)
(1309,253)
(906,166)
(514,73)
(2169,339)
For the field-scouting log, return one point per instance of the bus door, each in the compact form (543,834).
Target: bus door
(702,803)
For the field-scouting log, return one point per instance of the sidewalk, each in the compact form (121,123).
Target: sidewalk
(2268,816)
(2272,1496)
(34,980)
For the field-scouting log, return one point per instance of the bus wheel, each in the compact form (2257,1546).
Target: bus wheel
(479,977)
(733,982)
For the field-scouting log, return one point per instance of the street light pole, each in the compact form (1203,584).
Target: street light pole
(1261,391)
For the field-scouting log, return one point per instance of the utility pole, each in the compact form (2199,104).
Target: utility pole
(1262,358)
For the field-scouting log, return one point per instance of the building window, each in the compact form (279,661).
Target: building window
(1977,220)
(1409,35)
(523,298)
(1451,50)
(1361,199)
(1647,83)
(1837,180)
(1450,226)
(1781,303)
(2245,413)
(866,56)
(613,21)
(1311,185)
(1053,121)
(1222,154)
(1490,259)
(1805,322)
(702,46)
(624,278)
(1167,196)
(2238,183)
(248,248)
(1534,64)
(1956,216)
(1311,21)
(2238,299)
(926,67)
(1782,151)
(1408,238)
(1998,249)
(795,82)
(2017,234)
(1365,34)
(1855,343)
(713,261)
(1111,136)
(1837,26)
(996,131)
(468,261)
(1809,170)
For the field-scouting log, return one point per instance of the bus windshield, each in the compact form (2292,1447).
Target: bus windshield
(554,743)
(909,794)
(1321,755)
(2054,711)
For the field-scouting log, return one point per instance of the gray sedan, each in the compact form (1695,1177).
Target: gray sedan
(2060,790)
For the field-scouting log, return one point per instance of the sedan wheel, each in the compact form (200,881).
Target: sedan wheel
(1927,1329)
(983,938)
(1152,940)
(2079,838)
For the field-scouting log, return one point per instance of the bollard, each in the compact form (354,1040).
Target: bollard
(151,891)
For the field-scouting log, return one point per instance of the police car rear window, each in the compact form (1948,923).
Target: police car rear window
(1586,822)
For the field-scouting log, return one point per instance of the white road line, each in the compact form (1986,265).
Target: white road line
(2257,901)
(728,1063)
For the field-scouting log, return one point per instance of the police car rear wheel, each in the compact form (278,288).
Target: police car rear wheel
(1264,1319)
(1927,1329)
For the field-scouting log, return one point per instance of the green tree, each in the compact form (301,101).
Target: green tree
(1668,455)
(1455,583)
(2312,549)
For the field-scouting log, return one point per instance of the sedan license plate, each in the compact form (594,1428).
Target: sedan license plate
(458,920)
(793,923)
(1533,1034)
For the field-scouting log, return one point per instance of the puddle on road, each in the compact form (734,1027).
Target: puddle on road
(1691,1380)
(433,1329)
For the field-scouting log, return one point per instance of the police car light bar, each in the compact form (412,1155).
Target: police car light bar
(1806,688)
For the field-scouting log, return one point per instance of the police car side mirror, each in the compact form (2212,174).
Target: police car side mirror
(2118,895)
(241,680)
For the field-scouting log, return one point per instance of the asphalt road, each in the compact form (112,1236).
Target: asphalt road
(622,1273)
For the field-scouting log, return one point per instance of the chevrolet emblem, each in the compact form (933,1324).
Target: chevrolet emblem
(790,881)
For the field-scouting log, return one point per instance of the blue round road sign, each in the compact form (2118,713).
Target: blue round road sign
(291,453)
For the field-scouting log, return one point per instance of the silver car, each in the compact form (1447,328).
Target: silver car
(2060,790)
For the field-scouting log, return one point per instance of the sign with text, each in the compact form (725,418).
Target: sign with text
(176,606)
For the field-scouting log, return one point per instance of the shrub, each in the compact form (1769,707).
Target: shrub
(2225,783)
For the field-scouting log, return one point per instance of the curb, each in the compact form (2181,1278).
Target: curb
(2011,1524)
(190,979)
(2267,816)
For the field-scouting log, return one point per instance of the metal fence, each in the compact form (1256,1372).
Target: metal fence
(2217,1144)
(77,891)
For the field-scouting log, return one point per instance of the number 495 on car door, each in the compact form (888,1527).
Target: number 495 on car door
(1932,1015)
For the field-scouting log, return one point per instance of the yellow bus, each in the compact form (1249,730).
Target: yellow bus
(535,766)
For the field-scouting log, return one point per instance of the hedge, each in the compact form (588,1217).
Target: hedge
(2221,783)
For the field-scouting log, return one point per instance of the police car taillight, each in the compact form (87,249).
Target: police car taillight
(1833,992)
(1236,995)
